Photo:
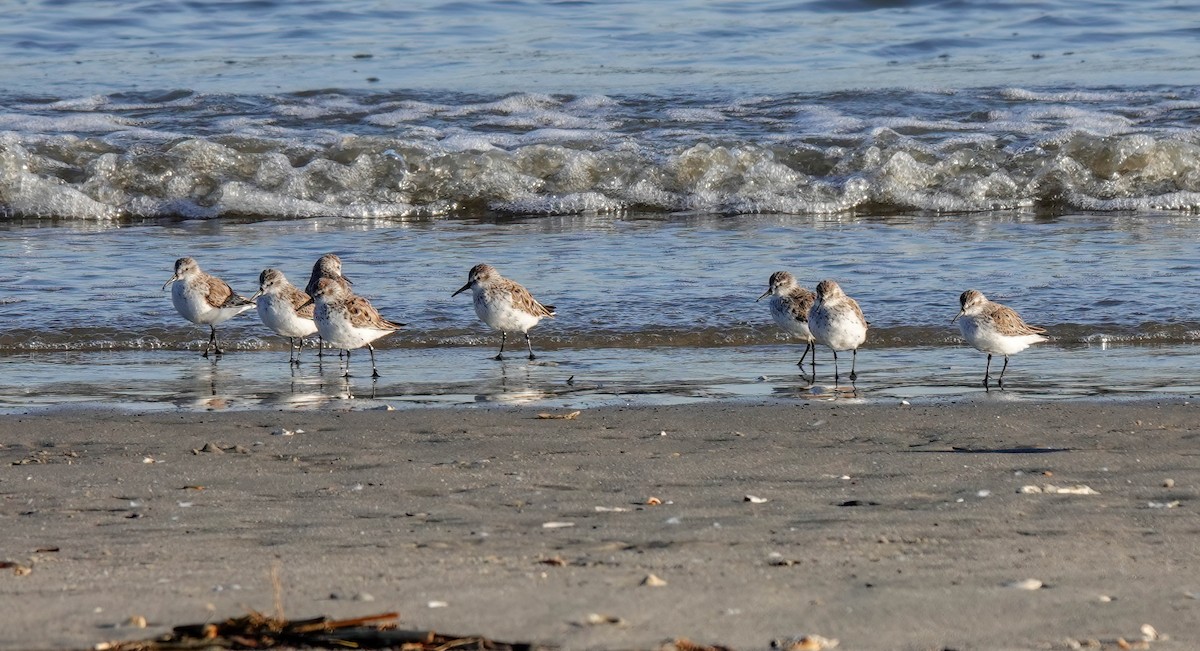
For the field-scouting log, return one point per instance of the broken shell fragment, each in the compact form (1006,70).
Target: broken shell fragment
(596,619)
(653,581)
(1025,584)
(1078,489)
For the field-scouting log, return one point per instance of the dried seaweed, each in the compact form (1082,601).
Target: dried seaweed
(259,631)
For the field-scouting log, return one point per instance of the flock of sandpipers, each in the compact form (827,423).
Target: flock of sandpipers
(345,321)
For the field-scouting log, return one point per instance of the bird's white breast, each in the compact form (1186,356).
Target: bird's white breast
(496,309)
(278,314)
(979,332)
(839,328)
(336,328)
(784,319)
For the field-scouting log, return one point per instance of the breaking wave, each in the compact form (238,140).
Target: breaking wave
(407,156)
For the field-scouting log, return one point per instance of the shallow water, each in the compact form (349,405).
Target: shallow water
(659,308)
(638,281)
(570,378)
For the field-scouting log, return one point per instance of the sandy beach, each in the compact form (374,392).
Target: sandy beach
(883,526)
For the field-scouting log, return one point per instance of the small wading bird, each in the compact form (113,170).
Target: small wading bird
(285,309)
(347,321)
(326,266)
(204,299)
(504,305)
(994,329)
(836,321)
(789,308)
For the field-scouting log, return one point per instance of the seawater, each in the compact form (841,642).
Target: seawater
(642,166)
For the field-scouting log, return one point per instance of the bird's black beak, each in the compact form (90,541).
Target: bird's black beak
(461,290)
(765,294)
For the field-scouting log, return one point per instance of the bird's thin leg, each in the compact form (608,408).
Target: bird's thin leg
(986,371)
(320,346)
(299,347)
(835,369)
(853,361)
(374,371)
(529,345)
(814,363)
(1000,382)
(212,342)
(503,339)
(807,345)
(347,374)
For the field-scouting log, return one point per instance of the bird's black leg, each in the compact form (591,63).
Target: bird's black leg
(807,346)
(374,371)
(347,374)
(987,371)
(835,369)
(1000,382)
(503,339)
(529,345)
(212,342)
(853,361)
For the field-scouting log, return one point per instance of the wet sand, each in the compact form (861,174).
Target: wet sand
(884,526)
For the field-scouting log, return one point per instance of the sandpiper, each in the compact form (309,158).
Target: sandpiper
(504,304)
(993,328)
(204,299)
(347,321)
(326,266)
(790,304)
(285,309)
(836,321)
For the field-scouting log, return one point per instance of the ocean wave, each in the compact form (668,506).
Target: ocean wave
(332,154)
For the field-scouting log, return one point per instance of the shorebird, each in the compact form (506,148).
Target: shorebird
(204,299)
(347,321)
(285,309)
(836,321)
(789,307)
(993,328)
(504,304)
(326,266)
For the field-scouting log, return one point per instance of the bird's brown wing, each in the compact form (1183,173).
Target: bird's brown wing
(799,302)
(220,294)
(525,301)
(298,298)
(1009,323)
(364,315)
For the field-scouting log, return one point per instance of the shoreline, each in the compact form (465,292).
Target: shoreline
(884,526)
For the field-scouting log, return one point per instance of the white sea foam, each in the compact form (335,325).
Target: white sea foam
(537,154)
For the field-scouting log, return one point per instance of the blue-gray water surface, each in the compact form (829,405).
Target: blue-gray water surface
(643,166)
